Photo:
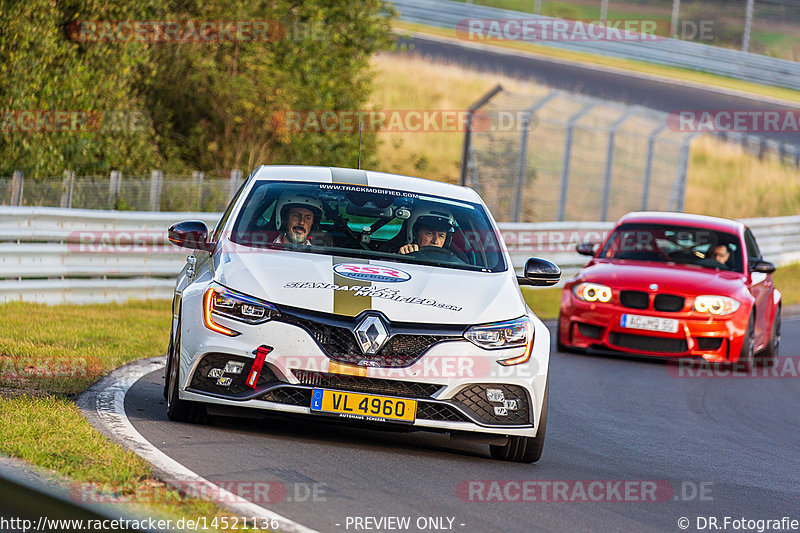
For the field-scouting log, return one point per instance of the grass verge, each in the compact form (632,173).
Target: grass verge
(50,353)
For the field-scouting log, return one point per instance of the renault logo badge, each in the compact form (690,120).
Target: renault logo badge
(371,334)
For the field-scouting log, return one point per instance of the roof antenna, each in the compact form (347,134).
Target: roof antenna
(360,123)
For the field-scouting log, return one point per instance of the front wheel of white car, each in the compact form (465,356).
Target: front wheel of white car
(180,410)
(524,449)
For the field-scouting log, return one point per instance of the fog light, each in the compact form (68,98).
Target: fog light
(495,395)
(215,373)
(224,382)
(511,405)
(234,367)
(500,411)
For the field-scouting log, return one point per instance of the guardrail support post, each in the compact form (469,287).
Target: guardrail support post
(156,180)
(197,180)
(17,187)
(67,188)
(113,188)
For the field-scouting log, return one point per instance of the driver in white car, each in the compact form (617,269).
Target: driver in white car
(298,215)
(431,228)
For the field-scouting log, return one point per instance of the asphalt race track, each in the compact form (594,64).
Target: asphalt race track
(713,446)
(596,81)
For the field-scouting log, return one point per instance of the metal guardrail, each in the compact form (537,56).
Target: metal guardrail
(46,255)
(671,52)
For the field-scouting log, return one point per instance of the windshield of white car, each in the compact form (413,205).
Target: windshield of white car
(368,222)
(675,244)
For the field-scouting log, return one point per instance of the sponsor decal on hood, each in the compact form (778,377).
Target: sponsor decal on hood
(371,292)
(373,273)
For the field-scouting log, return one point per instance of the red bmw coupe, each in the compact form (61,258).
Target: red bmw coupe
(674,285)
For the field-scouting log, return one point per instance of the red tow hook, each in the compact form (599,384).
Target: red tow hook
(261,354)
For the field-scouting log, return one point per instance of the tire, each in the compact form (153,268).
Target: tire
(746,355)
(166,366)
(769,356)
(524,449)
(180,410)
(560,347)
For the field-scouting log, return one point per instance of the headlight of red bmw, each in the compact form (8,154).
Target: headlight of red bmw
(592,292)
(507,334)
(219,300)
(716,305)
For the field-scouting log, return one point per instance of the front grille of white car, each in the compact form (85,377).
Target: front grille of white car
(335,335)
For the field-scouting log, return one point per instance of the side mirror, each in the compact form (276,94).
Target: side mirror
(190,234)
(540,273)
(765,267)
(586,248)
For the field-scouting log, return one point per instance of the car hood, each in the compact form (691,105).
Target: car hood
(677,279)
(426,294)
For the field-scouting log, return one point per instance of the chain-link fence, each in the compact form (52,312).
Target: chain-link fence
(558,156)
(116,191)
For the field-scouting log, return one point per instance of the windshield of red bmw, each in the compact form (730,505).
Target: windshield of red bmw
(675,244)
(368,222)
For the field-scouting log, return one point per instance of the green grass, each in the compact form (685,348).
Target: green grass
(787,280)
(63,349)
(543,301)
(50,353)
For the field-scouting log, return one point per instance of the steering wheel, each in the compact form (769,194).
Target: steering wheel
(434,253)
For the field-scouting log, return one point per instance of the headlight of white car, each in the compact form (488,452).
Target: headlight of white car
(716,305)
(592,292)
(507,334)
(219,300)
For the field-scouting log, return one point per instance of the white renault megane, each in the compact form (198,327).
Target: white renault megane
(360,297)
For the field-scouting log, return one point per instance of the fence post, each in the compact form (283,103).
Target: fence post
(678,196)
(113,188)
(67,187)
(17,187)
(156,179)
(482,101)
(197,180)
(612,132)
(523,150)
(648,165)
(522,166)
(234,183)
(562,200)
